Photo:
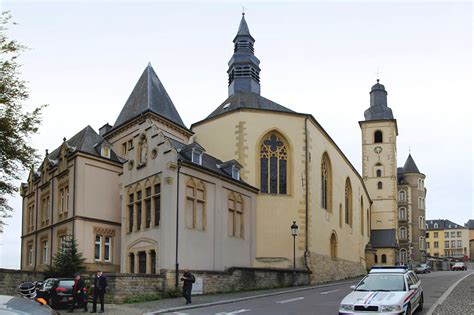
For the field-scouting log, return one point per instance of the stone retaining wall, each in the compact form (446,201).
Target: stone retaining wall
(325,269)
(11,279)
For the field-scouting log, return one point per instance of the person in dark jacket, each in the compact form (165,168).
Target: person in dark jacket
(79,297)
(100,283)
(188,280)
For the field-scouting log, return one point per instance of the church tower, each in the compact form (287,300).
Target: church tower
(244,70)
(379,169)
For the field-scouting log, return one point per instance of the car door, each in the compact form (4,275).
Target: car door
(417,293)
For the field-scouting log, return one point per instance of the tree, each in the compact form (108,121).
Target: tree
(67,261)
(16,126)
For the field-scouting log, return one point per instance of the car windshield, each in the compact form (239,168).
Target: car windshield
(459,264)
(48,284)
(382,282)
(66,283)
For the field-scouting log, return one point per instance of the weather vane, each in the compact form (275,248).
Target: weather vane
(243,10)
(378,75)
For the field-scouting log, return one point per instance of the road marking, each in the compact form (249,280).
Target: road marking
(290,300)
(445,295)
(327,292)
(234,312)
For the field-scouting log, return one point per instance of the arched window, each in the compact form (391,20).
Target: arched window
(273,165)
(403,233)
(435,225)
(195,205)
(326,183)
(402,214)
(421,243)
(378,137)
(361,215)
(379,185)
(235,220)
(403,256)
(340,215)
(384,258)
(333,244)
(379,173)
(376,258)
(348,202)
(402,195)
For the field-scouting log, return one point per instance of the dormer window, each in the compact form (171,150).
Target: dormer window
(235,172)
(105,151)
(196,157)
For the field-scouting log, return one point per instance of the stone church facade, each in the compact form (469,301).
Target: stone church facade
(224,192)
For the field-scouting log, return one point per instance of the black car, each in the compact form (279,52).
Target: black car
(57,292)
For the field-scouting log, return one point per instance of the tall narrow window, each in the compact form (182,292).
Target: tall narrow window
(361,216)
(379,173)
(138,205)
(30,254)
(348,202)
(376,258)
(195,205)
(340,215)
(403,233)
(384,258)
(45,251)
(157,203)
(98,247)
(153,262)
(132,262)
(333,244)
(379,185)
(378,137)
(326,183)
(130,212)
(402,214)
(147,207)
(402,195)
(141,262)
(273,165)
(235,216)
(403,255)
(108,248)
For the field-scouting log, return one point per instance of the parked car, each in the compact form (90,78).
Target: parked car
(423,268)
(20,305)
(385,290)
(459,266)
(57,292)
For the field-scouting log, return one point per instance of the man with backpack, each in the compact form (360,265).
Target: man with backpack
(188,280)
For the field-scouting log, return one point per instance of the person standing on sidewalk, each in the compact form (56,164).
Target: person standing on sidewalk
(78,295)
(188,280)
(100,283)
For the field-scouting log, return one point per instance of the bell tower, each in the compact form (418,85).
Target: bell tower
(379,171)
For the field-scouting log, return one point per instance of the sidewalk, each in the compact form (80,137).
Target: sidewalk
(178,303)
(460,300)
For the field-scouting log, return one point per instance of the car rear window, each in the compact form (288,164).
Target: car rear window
(66,283)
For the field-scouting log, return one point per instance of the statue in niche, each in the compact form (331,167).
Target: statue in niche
(143,151)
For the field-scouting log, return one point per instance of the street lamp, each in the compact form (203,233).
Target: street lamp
(294,232)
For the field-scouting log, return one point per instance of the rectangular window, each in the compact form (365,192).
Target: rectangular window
(62,200)
(427,244)
(459,233)
(132,263)
(195,208)
(453,244)
(98,247)
(148,207)
(435,234)
(141,262)
(446,244)
(130,213)
(459,244)
(157,203)
(62,242)
(44,252)
(138,205)
(130,144)
(235,220)
(436,245)
(124,148)
(453,234)
(30,254)
(153,262)
(108,248)
(446,234)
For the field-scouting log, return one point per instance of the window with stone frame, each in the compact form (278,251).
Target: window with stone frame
(341,215)
(273,164)
(131,259)
(153,261)
(138,207)
(45,206)
(403,233)
(157,203)
(62,240)
(402,195)
(142,262)
(30,226)
(235,219)
(348,202)
(379,185)
(384,258)
(147,207)
(459,243)
(446,244)
(361,216)
(326,183)
(378,136)
(402,213)
(378,173)
(131,215)
(29,253)
(403,256)
(435,234)
(63,201)
(333,246)
(98,248)
(436,244)
(453,244)
(195,205)
(44,252)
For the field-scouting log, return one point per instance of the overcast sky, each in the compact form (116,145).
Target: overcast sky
(317,57)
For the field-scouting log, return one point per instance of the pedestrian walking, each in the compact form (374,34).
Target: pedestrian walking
(188,280)
(100,284)
(78,295)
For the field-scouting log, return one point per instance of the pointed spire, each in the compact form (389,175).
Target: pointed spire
(244,70)
(410,165)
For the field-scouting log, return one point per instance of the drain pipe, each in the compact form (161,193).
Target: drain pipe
(306,251)
(177,226)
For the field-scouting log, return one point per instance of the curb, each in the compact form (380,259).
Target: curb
(443,297)
(181,308)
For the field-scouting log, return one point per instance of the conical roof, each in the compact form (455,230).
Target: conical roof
(243,28)
(410,165)
(149,94)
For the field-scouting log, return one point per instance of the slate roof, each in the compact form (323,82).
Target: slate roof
(149,94)
(378,104)
(87,141)
(209,162)
(470,224)
(383,238)
(442,225)
(243,27)
(247,100)
(410,165)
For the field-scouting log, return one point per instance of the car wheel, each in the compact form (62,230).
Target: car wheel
(408,311)
(420,304)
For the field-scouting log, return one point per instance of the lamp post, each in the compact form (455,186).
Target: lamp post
(294,232)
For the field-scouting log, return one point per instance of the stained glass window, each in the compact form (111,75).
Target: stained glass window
(273,165)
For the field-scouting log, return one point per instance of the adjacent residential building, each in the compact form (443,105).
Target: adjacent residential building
(470,226)
(74,193)
(446,239)
(411,213)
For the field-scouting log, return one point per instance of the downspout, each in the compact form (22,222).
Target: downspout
(22,232)
(306,251)
(74,197)
(52,221)
(36,225)
(177,225)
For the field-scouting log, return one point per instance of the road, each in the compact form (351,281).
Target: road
(322,301)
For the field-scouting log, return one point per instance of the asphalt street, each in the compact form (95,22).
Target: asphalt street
(322,301)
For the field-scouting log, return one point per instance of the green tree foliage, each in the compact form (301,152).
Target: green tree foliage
(67,261)
(16,125)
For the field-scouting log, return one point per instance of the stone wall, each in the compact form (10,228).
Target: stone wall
(11,279)
(325,269)
(123,285)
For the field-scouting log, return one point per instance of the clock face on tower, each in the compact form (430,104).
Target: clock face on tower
(378,149)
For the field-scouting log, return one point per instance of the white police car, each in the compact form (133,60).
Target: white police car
(385,290)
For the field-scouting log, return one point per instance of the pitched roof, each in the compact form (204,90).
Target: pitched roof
(149,94)
(383,238)
(442,225)
(410,165)
(470,224)
(247,100)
